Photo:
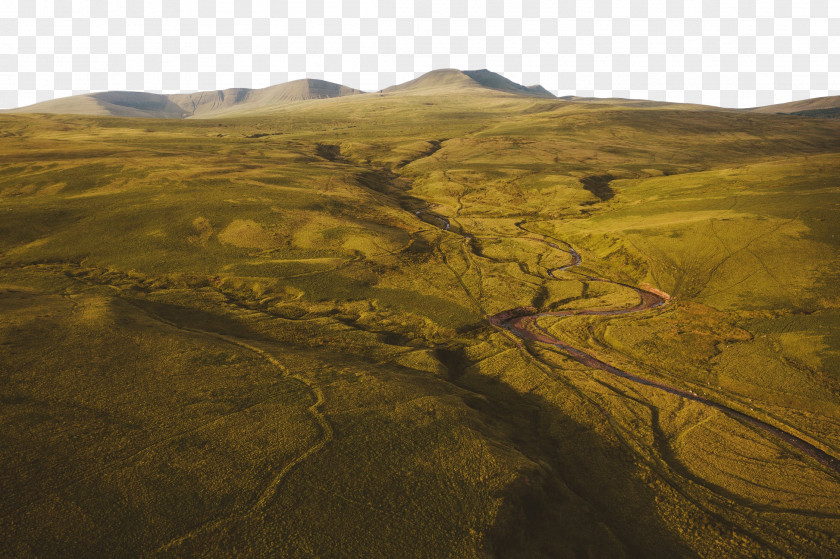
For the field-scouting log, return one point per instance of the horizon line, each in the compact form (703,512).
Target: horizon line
(558,95)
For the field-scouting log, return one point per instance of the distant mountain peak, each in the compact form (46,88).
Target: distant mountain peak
(184,105)
(239,100)
(452,79)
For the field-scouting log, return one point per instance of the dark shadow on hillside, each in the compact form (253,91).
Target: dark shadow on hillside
(599,185)
(454,359)
(585,497)
(833,112)
(330,152)
(384,181)
(434,146)
(194,319)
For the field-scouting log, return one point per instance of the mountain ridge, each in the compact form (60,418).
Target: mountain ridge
(222,102)
(445,81)
(185,105)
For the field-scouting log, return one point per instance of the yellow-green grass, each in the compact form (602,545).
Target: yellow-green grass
(236,337)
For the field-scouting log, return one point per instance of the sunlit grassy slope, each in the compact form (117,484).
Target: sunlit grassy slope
(236,336)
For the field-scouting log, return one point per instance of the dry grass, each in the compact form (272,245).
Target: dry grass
(236,336)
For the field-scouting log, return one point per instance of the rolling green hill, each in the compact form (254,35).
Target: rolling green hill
(242,101)
(186,105)
(819,107)
(267,334)
(450,79)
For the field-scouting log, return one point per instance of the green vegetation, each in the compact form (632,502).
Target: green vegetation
(237,336)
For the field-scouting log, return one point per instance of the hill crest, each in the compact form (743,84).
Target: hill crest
(447,81)
(226,102)
(818,107)
(451,80)
(186,105)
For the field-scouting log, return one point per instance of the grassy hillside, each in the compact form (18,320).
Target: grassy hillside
(817,103)
(136,104)
(252,335)
(239,101)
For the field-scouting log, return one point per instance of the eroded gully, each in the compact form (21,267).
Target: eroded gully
(523,322)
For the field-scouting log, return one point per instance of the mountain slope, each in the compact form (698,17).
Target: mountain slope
(238,101)
(493,80)
(233,100)
(450,80)
(185,105)
(820,107)
(110,103)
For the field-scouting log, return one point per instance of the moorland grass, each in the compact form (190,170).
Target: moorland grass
(236,336)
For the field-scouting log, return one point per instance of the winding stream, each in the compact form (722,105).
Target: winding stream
(522,322)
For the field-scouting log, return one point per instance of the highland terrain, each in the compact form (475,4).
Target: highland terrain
(457,317)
